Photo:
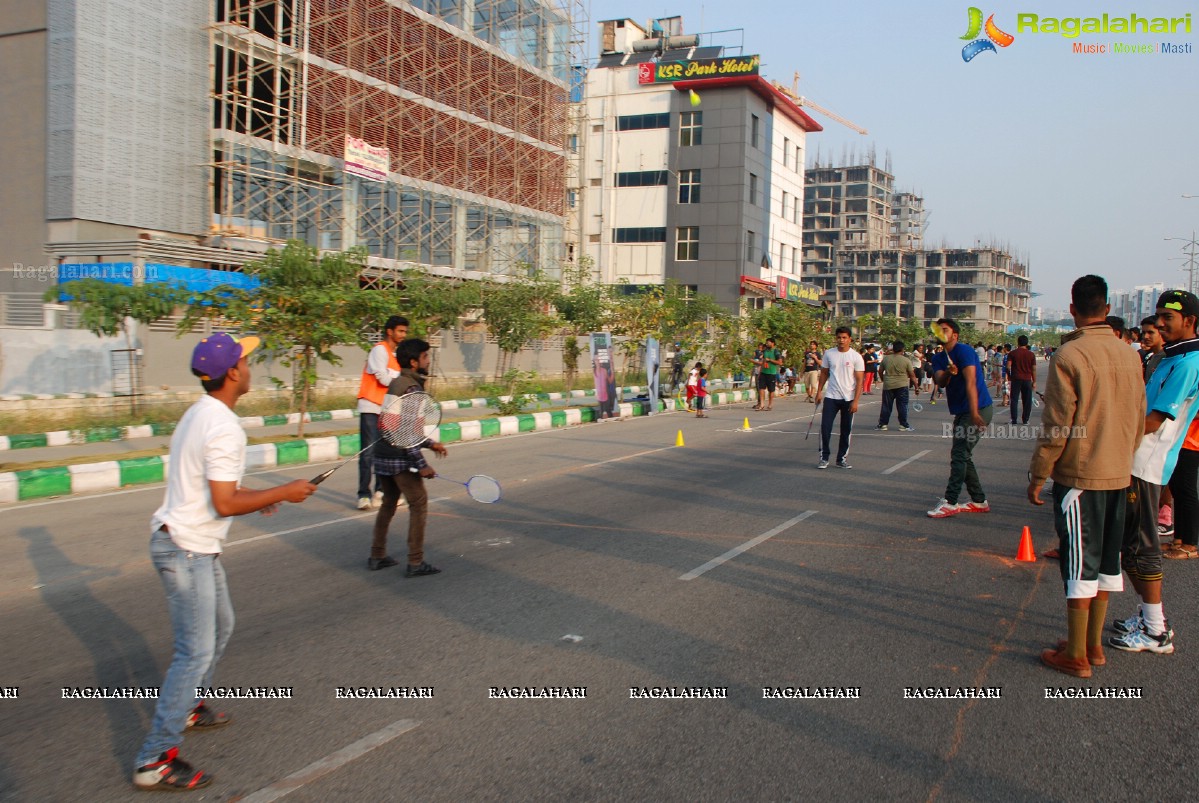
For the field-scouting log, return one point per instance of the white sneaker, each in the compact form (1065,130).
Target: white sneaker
(364,503)
(944,510)
(377,499)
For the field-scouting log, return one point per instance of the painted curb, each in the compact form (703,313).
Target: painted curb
(111,475)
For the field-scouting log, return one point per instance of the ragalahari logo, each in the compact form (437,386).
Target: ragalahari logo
(994,35)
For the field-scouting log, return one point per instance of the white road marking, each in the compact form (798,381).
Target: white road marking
(748,545)
(628,457)
(298,529)
(330,763)
(911,459)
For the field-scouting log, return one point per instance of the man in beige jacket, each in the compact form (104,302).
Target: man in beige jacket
(1092,422)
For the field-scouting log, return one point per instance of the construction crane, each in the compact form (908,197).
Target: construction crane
(793,93)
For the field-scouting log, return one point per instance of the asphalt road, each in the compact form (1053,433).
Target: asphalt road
(841,581)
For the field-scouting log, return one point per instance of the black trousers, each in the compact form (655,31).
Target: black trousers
(1021,392)
(828,414)
(1184,484)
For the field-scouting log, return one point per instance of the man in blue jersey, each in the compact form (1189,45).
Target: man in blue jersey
(1171,400)
(958,370)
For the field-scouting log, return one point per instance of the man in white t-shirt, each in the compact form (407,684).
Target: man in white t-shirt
(208,458)
(841,370)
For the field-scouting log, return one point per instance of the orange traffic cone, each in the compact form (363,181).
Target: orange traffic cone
(1025,553)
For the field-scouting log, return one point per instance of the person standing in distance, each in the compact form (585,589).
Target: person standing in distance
(203,493)
(897,376)
(841,369)
(1090,429)
(1022,368)
(960,372)
(381,368)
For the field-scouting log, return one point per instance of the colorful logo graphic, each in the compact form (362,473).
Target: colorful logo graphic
(993,35)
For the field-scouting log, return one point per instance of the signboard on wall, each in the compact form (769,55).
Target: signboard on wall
(366,161)
(791,290)
(665,72)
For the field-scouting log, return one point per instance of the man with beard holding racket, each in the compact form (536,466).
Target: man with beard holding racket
(404,470)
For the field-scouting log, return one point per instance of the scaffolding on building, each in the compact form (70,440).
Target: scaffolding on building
(473,112)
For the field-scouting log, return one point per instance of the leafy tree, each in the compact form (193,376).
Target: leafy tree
(669,312)
(305,305)
(518,311)
(791,324)
(105,308)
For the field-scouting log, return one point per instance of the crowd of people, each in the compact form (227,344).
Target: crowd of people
(1119,438)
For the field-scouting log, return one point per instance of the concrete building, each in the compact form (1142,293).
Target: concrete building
(1136,304)
(986,287)
(691,167)
(195,135)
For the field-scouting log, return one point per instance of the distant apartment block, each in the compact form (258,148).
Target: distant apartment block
(1136,304)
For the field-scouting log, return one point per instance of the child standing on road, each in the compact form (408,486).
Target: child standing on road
(701,392)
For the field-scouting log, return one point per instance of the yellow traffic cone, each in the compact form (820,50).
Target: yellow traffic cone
(678,441)
(745,426)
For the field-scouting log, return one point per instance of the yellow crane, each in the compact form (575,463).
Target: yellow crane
(793,93)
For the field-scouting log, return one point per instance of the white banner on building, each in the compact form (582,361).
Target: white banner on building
(367,161)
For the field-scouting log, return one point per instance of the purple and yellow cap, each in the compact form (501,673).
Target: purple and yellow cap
(216,354)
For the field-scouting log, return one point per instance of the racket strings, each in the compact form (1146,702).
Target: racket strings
(484,489)
(406,420)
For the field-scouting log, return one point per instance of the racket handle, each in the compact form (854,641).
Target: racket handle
(319,479)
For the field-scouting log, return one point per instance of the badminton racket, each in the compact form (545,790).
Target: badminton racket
(940,336)
(1037,401)
(480,488)
(917,407)
(406,421)
(811,421)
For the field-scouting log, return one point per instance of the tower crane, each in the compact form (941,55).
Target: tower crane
(793,93)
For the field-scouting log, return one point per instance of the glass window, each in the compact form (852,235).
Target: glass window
(754,126)
(642,178)
(786,152)
(691,128)
(687,243)
(645,235)
(753,189)
(641,122)
(688,186)
(749,246)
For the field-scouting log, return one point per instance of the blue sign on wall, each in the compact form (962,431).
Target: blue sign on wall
(197,279)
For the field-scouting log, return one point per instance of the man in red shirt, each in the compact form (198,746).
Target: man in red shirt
(1022,367)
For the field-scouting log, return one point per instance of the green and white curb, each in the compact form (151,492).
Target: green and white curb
(111,475)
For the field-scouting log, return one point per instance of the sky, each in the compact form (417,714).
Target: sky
(1076,162)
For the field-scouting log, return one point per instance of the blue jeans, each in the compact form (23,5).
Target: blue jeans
(828,413)
(368,432)
(899,397)
(202,620)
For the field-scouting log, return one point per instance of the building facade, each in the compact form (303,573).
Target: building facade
(1136,304)
(691,167)
(196,135)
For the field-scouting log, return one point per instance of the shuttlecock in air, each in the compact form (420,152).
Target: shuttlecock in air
(694,97)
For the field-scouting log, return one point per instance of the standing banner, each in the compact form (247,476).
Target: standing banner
(652,360)
(605,374)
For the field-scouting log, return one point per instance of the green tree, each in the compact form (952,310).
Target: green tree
(305,305)
(518,311)
(105,308)
(792,325)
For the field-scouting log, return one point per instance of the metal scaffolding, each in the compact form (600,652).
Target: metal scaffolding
(470,97)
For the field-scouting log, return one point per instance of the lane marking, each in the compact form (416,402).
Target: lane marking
(330,763)
(748,545)
(628,457)
(911,459)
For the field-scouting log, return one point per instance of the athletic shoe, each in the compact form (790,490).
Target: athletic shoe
(843,464)
(1165,530)
(375,564)
(944,509)
(170,774)
(377,499)
(204,718)
(822,464)
(882,427)
(907,429)
(364,503)
(421,570)
(1129,625)
(1141,641)
(1057,659)
(976,507)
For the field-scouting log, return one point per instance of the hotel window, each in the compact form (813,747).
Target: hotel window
(782,257)
(783,213)
(645,235)
(687,243)
(786,152)
(754,125)
(753,189)
(691,128)
(688,186)
(750,237)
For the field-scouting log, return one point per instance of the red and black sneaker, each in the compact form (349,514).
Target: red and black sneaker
(204,718)
(170,774)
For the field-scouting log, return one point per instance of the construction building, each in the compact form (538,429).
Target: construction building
(690,168)
(192,136)
(864,248)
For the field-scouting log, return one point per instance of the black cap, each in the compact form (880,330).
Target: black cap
(1180,301)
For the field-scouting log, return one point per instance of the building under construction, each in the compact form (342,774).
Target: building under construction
(194,135)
